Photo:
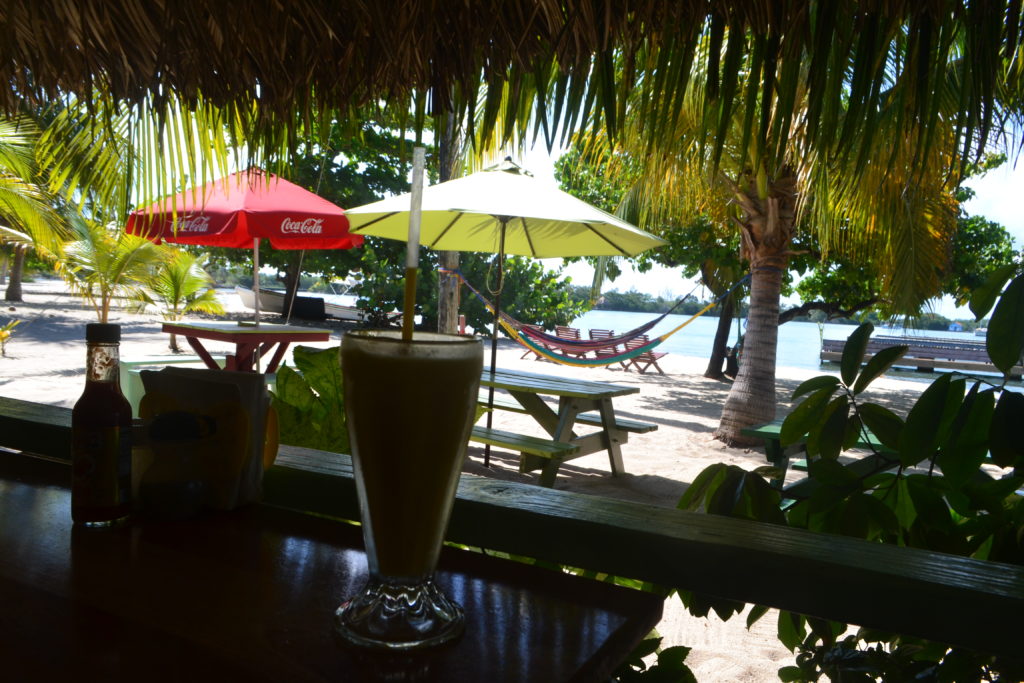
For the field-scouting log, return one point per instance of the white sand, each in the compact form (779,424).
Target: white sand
(46,354)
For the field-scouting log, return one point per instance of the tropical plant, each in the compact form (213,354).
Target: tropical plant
(946,477)
(179,285)
(28,216)
(104,263)
(309,401)
(6,330)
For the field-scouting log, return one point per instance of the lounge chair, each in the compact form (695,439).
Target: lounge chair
(645,360)
(528,352)
(604,334)
(572,333)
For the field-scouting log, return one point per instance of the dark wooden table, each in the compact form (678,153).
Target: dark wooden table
(251,341)
(250,595)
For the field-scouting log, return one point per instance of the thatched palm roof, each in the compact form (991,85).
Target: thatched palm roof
(297,58)
(291,54)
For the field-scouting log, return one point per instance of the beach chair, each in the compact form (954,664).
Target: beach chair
(645,360)
(530,352)
(572,333)
(604,334)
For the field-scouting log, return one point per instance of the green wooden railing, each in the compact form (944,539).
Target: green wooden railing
(941,597)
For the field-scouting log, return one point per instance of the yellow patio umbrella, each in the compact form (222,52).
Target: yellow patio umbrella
(504,210)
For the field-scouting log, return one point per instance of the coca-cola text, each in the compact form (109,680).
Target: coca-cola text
(309,226)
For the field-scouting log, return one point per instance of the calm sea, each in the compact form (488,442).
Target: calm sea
(799,343)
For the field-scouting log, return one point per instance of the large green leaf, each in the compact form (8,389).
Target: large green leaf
(967,446)
(791,629)
(864,516)
(984,296)
(309,404)
(1005,442)
(853,352)
(704,484)
(929,419)
(816,383)
(883,423)
(825,439)
(1005,340)
(799,422)
(878,364)
(902,504)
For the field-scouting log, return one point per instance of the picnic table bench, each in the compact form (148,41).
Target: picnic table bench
(579,402)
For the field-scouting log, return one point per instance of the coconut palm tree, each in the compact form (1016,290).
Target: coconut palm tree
(179,285)
(106,263)
(869,173)
(28,216)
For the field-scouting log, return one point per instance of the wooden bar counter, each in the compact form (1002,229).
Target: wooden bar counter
(250,595)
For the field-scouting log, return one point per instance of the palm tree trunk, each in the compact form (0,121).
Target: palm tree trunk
(766,232)
(17,270)
(752,397)
(449,153)
(720,346)
(448,294)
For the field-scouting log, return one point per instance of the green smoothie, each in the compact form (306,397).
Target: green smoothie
(409,408)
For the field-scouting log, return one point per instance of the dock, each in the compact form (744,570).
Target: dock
(926,354)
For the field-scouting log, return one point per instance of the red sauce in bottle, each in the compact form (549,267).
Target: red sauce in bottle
(101,428)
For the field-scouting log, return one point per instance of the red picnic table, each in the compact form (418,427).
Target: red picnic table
(251,341)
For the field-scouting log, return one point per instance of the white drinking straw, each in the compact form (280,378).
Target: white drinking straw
(412,253)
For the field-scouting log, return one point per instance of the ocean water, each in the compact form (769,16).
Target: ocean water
(799,342)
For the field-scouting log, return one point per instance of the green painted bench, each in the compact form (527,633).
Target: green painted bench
(779,457)
(535,452)
(881,459)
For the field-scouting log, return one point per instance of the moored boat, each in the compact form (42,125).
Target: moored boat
(274,302)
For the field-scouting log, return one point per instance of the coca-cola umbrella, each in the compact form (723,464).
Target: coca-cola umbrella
(241,209)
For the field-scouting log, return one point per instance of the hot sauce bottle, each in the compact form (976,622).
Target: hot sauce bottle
(101,429)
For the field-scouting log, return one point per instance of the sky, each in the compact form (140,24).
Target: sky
(993,200)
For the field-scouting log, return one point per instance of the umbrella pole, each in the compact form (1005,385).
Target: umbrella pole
(256,276)
(256,284)
(494,336)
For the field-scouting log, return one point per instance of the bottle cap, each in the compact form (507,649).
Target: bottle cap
(103,333)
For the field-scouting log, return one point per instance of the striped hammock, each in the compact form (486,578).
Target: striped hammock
(547,345)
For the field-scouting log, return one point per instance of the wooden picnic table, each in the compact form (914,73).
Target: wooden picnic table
(251,341)
(575,397)
(250,595)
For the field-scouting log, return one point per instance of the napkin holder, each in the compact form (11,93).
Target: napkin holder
(203,440)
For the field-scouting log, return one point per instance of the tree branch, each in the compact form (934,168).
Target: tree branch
(832,310)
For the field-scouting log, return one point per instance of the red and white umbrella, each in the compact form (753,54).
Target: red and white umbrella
(241,209)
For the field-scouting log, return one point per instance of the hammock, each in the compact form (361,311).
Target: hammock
(542,343)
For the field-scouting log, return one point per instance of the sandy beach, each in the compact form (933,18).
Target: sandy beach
(44,362)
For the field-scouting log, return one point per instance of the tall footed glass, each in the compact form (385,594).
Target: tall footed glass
(409,408)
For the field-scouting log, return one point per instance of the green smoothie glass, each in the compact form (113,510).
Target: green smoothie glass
(410,407)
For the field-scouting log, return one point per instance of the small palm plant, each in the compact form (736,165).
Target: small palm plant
(179,285)
(5,334)
(105,263)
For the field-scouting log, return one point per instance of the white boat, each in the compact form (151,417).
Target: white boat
(274,302)
(980,331)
